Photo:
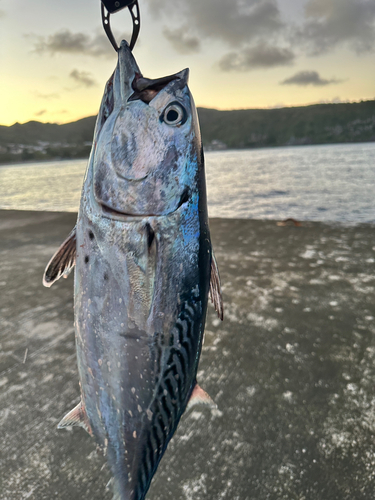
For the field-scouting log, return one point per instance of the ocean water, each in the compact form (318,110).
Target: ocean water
(326,183)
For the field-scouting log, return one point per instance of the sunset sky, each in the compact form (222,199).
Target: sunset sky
(55,57)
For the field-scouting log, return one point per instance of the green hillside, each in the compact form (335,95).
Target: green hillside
(317,124)
(247,128)
(32,132)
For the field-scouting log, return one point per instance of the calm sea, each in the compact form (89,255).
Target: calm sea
(326,183)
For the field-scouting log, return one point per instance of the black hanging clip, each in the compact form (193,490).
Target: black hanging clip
(110,7)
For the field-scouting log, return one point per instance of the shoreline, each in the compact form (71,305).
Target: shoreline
(208,150)
(302,223)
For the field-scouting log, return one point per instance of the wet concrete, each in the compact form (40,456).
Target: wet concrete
(292,369)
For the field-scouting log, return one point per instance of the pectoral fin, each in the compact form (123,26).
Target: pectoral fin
(215,289)
(200,397)
(76,417)
(62,261)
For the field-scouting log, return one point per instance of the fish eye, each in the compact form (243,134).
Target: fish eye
(174,114)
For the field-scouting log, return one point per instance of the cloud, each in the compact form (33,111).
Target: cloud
(83,78)
(63,41)
(40,113)
(333,22)
(242,23)
(41,95)
(61,112)
(304,78)
(234,21)
(260,56)
(181,40)
(66,42)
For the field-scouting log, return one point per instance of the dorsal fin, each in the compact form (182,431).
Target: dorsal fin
(62,261)
(215,289)
(200,397)
(76,417)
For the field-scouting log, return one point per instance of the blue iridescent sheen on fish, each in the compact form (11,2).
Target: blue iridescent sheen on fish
(144,270)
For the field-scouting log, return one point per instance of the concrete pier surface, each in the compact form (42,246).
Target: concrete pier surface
(291,368)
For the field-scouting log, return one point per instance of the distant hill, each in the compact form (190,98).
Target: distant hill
(247,128)
(316,124)
(32,132)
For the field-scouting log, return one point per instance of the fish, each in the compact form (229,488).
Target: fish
(144,269)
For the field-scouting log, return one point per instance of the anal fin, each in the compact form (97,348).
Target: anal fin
(200,397)
(62,261)
(76,417)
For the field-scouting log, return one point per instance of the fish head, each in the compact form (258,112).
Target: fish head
(148,145)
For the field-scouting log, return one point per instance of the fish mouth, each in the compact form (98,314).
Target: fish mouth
(113,214)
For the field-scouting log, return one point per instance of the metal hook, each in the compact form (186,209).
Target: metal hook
(136,18)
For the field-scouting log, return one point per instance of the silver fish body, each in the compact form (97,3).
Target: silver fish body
(143,265)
